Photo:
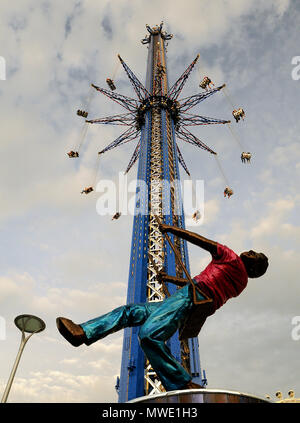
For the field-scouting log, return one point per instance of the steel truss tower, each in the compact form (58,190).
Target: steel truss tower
(156,116)
(158,162)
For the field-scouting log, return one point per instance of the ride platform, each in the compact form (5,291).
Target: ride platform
(199,396)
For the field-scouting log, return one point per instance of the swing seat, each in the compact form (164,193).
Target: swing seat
(196,216)
(87,190)
(228,192)
(82,113)
(116,216)
(246,155)
(206,81)
(111,84)
(238,113)
(73,154)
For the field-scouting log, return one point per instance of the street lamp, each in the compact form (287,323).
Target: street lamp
(29,324)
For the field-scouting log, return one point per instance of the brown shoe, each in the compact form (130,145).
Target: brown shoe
(70,331)
(192,385)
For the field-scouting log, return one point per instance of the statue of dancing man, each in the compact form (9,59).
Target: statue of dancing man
(226,276)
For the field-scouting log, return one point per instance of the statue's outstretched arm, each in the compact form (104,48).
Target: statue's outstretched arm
(173,279)
(192,237)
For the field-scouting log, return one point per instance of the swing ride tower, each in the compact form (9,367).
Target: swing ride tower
(156,118)
(158,168)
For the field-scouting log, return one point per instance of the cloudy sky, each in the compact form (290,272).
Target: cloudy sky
(58,256)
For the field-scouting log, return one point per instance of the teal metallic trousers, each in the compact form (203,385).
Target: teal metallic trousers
(158,321)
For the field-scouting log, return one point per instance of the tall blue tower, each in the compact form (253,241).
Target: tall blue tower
(160,195)
(155,118)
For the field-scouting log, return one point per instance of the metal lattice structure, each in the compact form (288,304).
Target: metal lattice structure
(156,117)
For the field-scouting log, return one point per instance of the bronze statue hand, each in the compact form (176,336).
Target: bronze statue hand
(163,228)
(161,275)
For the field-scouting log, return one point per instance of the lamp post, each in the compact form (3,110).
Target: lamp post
(27,324)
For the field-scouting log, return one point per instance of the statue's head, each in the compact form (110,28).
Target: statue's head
(256,264)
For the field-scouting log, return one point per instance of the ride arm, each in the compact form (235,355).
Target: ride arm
(176,89)
(127,136)
(181,161)
(185,135)
(196,239)
(134,157)
(189,102)
(128,103)
(139,88)
(189,119)
(126,119)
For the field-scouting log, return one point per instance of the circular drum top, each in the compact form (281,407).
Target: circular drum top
(200,396)
(29,323)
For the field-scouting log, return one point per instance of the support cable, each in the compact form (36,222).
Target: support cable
(122,201)
(82,136)
(194,194)
(229,98)
(97,168)
(221,170)
(90,97)
(116,69)
(83,132)
(235,136)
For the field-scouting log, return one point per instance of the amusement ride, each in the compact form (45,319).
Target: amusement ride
(157,118)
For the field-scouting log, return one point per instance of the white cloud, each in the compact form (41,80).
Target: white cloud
(59,257)
(55,386)
(273,223)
